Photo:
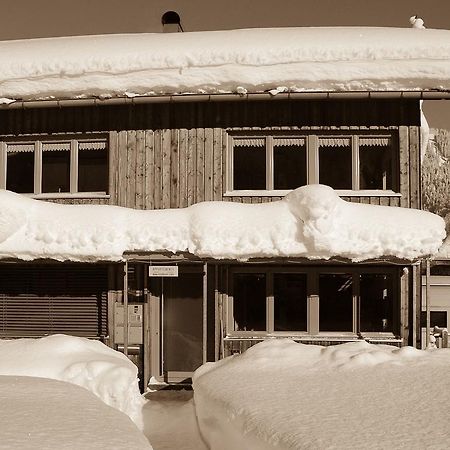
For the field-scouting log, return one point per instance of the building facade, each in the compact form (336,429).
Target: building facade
(172,312)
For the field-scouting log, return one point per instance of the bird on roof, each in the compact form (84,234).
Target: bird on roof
(416,22)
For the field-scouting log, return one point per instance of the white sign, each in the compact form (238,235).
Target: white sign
(163,271)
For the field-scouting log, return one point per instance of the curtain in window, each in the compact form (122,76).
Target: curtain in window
(289,142)
(55,146)
(92,145)
(249,142)
(374,141)
(19,148)
(335,142)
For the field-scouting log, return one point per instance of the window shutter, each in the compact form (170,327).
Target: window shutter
(78,307)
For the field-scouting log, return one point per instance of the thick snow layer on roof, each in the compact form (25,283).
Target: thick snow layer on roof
(283,395)
(311,222)
(278,59)
(108,374)
(39,413)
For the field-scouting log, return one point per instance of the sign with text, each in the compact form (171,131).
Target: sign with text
(163,271)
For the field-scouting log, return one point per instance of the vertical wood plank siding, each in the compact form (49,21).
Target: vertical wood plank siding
(174,154)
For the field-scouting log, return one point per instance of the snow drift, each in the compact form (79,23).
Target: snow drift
(108,374)
(39,413)
(311,222)
(285,396)
(276,60)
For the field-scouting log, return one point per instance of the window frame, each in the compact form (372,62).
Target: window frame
(313,302)
(312,160)
(38,142)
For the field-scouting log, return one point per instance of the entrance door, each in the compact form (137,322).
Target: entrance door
(181,340)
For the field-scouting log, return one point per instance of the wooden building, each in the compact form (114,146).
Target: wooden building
(172,312)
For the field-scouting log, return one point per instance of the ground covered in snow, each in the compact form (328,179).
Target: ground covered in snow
(311,221)
(38,413)
(170,422)
(108,374)
(284,395)
(277,60)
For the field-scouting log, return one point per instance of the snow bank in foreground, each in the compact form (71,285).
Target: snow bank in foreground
(278,59)
(38,413)
(283,395)
(311,222)
(90,364)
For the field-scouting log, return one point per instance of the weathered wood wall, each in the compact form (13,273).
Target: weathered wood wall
(174,154)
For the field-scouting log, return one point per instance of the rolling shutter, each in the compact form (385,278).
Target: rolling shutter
(37,300)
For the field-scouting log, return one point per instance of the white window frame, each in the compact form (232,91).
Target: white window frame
(38,142)
(312,162)
(313,302)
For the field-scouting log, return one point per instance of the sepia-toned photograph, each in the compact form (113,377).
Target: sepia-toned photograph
(224,225)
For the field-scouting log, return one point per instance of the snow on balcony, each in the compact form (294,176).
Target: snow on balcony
(310,222)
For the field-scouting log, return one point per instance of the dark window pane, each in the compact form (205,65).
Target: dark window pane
(249,168)
(56,171)
(289,167)
(335,166)
(375,167)
(20,172)
(183,339)
(376,303)
(335,302)
(92,170)
(290,302)
(437,319)
(249,301)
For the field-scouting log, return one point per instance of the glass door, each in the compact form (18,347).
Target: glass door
(180,331)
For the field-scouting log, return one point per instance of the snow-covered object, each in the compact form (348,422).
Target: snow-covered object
(283,395)
(39,413)
(311,222)
(253,60)
(444,251)
(108,374)
(416,22)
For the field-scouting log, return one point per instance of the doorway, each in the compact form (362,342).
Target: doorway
(178,305)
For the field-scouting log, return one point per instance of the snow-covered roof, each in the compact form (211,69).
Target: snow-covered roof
(252,60)
(310,222)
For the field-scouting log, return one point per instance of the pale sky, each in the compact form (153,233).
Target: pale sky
(44,18)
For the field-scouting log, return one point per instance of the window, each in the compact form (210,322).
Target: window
(55,166)
(336,302)
(313,301)
(269,163)
(280,162)
(377,302)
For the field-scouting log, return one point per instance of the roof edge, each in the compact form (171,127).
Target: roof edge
(251,96)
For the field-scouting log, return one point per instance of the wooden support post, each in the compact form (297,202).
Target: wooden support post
(216,314)
(427,302)
(125,309)
(205,312)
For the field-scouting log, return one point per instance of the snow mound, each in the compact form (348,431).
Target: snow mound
(444,251)
(311,221)
(39,413)
(283,395)
(108,374)
(240,61)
